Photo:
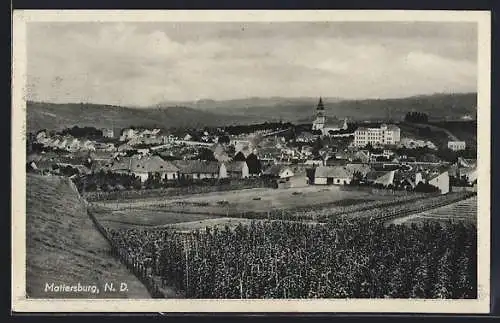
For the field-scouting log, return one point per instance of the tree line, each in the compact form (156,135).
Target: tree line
(416,117)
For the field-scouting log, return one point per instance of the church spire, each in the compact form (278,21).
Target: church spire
(320,104)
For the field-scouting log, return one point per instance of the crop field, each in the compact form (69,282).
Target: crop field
(463,211)
(251,199)
(232,204)
(147,218)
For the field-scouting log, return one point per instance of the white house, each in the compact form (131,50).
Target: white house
(441,180)
(238,169)
(128,134)
(41,136)
(108,132)
(73,145)
(197,169)
(278,171)
(142,167)
(88,145)
(336,175)
(456,145)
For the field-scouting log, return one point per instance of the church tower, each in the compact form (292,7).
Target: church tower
(319,122)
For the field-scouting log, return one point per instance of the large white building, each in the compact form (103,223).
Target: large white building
(385,135)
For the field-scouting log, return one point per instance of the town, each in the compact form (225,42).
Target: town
(179,207)
(281,155)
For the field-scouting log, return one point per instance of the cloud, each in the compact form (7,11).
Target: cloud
(143,64)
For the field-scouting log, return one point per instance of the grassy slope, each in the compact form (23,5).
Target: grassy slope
(63,246)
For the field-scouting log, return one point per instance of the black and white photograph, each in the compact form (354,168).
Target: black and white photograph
(251,161)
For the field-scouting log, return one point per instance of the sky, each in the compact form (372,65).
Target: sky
(145,63)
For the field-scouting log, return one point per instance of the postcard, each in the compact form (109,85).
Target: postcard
(251,161)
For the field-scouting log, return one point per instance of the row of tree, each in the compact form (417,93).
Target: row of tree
(417,117)
(82,132)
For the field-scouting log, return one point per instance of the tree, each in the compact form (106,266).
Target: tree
(357,177)
(254,165)
(239,157)
(224,139)
(426,188)
(149,181)
(137,184)
(205,154)
(83,132)
(317,146)
(447,155)
(416,117)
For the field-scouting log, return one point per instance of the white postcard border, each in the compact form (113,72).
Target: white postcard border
(21,304)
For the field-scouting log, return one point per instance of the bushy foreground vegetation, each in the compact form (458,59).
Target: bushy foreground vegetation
(343,259)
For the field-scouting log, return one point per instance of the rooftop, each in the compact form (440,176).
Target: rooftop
(197,166)
(332,172)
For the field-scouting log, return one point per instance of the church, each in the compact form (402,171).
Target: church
(326,126)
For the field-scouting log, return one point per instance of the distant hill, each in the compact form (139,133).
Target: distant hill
(244,111)
(58,116)
(252,102)
(63,246)
(437,106)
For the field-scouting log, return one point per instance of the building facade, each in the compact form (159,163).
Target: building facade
(336,175)
(441,181)
(385,135)
(456,145)
(108,132)
(234,170)
(326,126)
(319,122)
